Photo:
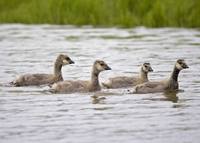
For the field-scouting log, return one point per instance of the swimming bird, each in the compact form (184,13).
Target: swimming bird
(125,81)
(41,79)
(170,84)
(81,85)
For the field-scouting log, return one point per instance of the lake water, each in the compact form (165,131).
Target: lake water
(30,114)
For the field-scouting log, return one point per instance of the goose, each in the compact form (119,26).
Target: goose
(40,78)
(170,84)
(81,85)
(125,81)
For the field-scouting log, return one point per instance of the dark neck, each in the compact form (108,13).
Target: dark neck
(175,73)
(57,69)
(143,75)
(94,80)
(173,81)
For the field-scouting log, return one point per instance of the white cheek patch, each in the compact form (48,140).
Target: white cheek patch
(65,62)
(178,66)
(144,69)
(100,68)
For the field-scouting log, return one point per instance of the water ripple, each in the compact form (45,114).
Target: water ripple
(30,114)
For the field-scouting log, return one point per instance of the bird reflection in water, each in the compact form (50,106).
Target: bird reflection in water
(96,99)
(171,96)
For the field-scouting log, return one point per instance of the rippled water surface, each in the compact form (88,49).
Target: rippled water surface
(30,114)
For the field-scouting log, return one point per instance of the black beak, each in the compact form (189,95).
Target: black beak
(107,68)
(71,62)
(185,66)
(150,70)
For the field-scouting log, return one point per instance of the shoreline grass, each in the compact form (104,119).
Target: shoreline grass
(103,13)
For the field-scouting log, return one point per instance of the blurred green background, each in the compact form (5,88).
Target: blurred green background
(103,13)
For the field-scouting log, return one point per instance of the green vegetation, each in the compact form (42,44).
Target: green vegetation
(124,13)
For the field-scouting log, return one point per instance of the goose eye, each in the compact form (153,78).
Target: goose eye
(101,64)
(145,66)
(67,58)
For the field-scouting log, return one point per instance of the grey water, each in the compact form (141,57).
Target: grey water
(31,114)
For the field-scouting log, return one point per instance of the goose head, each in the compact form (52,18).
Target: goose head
(100,65)
(180,64)
(64,59)
(146,67)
